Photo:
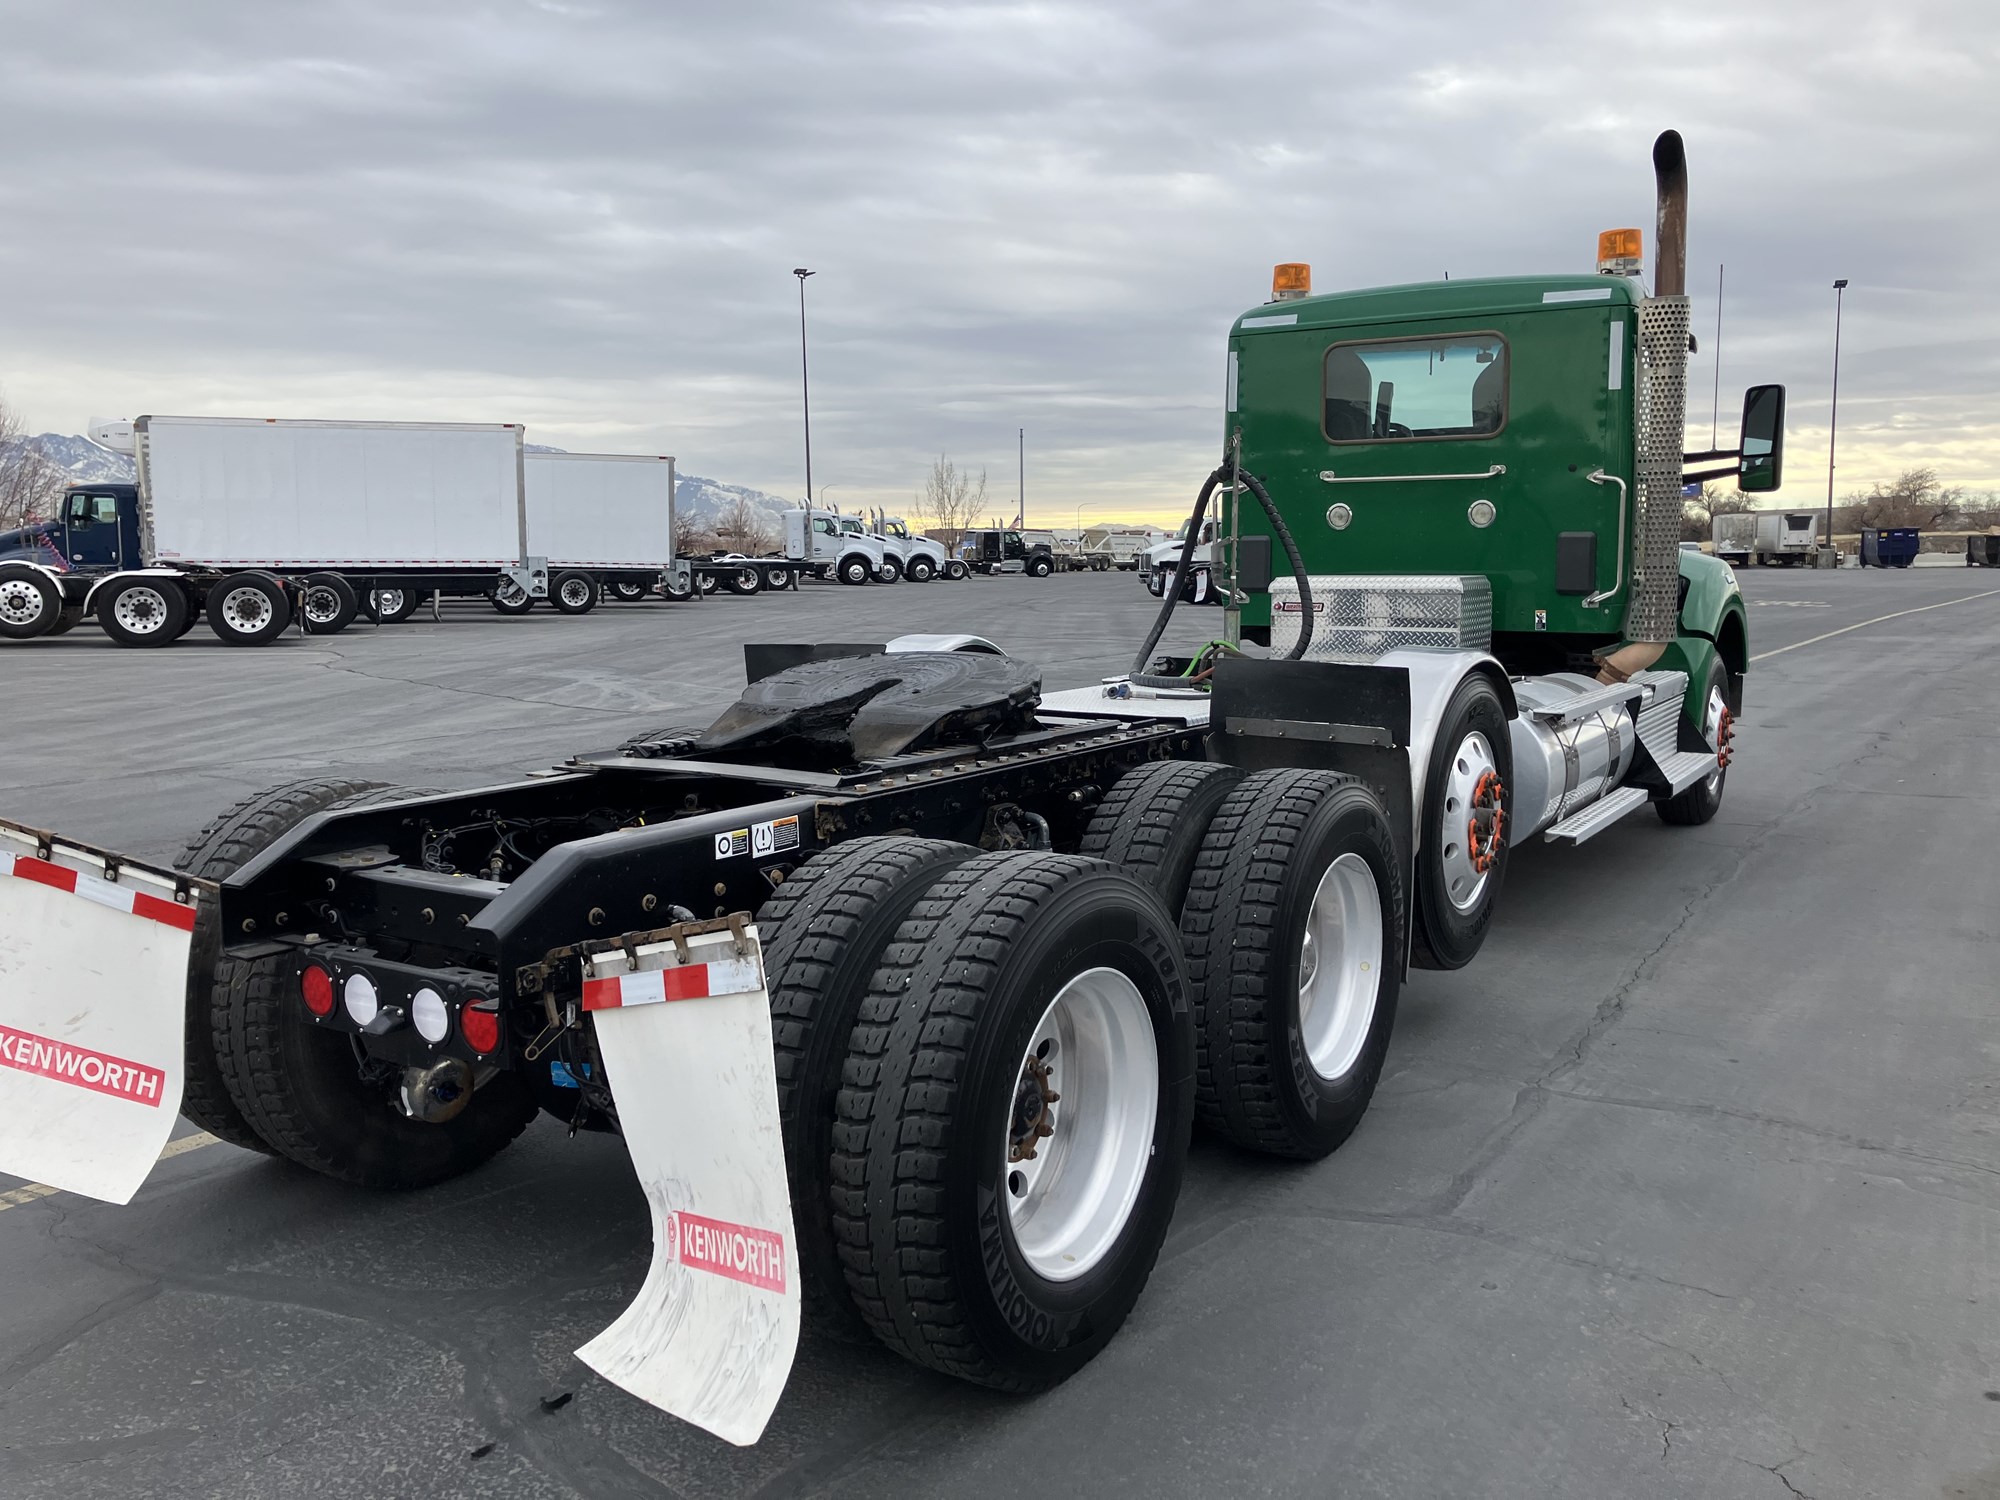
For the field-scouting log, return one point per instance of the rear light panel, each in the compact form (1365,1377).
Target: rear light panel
(403,1013)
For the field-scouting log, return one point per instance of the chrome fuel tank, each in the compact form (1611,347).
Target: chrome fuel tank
(1559,768)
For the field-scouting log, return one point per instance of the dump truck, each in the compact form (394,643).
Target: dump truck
(905,980)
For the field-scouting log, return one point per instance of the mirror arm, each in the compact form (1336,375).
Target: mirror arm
(1707,454)
(1734,471)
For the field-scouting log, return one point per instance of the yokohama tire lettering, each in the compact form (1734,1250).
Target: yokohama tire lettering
(81,1067)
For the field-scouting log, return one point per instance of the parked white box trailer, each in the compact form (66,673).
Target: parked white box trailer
(604,521)
(236,492)
(1763,537)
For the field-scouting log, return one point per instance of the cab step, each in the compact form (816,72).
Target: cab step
(1597,817)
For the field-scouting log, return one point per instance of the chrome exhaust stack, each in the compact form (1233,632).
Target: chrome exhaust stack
(1652,608)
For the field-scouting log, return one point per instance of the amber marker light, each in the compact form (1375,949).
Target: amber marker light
(1292,279)
(1620,252)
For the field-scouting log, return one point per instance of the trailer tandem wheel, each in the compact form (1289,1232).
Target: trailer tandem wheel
(144,611)
(248,609)
(392,606)
(823,931)
(1292,924)
(573,593)
(327,604)
(1014,1118)
(1152,821)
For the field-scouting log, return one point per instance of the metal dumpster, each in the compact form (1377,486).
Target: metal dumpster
(1889,546)
(1983,551)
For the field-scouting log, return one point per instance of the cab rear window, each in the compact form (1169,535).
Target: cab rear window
(1399,390)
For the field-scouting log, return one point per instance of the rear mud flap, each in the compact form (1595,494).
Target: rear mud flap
(93,1001)
(685,1034)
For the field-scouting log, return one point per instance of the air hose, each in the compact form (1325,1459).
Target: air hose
(1224,474)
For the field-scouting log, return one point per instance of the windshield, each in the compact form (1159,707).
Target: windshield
(850,526)
(897,528)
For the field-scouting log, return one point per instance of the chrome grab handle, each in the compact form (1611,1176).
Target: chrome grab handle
(1329,477)
(1598,476)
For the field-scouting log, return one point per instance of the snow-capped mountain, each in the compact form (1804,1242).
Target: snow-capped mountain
(701,501)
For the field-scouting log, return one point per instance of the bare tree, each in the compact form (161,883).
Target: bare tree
(1698,513)
(950,501)
(742,527)
(30,485)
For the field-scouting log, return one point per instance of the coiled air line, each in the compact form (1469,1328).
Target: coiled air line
(1225,473)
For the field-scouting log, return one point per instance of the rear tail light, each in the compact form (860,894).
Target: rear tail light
(361,999)
(479,1021)
(428,1011)
(316,989)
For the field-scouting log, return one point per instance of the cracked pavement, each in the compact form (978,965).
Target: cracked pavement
(1688,1186)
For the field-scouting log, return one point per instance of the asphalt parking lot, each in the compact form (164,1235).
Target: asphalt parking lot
(1688,1186)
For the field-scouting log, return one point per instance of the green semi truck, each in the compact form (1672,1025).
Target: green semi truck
(905,981)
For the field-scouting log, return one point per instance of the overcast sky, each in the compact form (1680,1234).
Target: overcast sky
(584,216)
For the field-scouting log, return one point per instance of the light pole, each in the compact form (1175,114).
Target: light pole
(1833,418)
(805,387)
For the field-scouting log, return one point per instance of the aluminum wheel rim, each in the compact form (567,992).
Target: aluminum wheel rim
(1069,1203)
(1711,726)
(1464,883)
(749,578)
(246,610)
(140,611)
(1340,966)
(575,592)
(320,605)
(20,602)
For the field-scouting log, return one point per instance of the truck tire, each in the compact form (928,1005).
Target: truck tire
(68,620)
(891,571)
(30,602)
(708,583)
(219,850)
(1459,871)
(1018,977)
(824,930)
(955,571)
(854,569)
(1152,821)
(1703,800)
(327,604)
(144,611)
(777,580)
(509,598)
(675,595)
(921,570)
(626,591)
(746,581)
(1295,884)
(390,606)
(1040,567)
(248,609)
(573,593)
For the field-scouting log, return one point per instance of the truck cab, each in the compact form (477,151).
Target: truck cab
(1159,561)
(923,558)
(96,530)
(834,545)
(1003,550)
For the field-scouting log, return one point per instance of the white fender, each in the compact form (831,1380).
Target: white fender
(686,1040)
(93,1005)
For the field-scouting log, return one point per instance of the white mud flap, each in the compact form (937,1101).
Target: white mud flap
(686,1039)
(93,1005)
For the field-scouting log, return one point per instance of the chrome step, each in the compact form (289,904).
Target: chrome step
(1685,767)
(1584,704)
(1597,817)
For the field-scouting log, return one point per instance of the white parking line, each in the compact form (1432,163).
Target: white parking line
(15,1197)
(1920,609)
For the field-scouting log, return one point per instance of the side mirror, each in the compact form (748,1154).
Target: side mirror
(1761,467)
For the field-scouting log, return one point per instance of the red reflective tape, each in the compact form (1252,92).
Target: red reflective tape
(689,982)
(755,1257)
(26,867)
(172,913)
(99,1072)
(601,994)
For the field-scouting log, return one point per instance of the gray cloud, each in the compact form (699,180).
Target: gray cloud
(583,215)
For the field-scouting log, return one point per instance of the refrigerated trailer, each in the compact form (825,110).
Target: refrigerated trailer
(252,521)
(603,523)
(1762,538)
(904,980)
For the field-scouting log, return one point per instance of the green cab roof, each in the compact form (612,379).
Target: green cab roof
(1431,300)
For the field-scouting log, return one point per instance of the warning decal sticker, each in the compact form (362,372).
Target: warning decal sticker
(774,837)
(730,845)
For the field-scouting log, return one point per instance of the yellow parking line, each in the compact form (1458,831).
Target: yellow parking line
(15,1197)
(1814,641)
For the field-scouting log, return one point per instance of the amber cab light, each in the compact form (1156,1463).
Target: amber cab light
(1292,279)
(316,989)
(1620,252)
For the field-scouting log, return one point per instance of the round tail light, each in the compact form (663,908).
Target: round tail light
(362,1002)
(316,989)
(479,1020)
(427,1009)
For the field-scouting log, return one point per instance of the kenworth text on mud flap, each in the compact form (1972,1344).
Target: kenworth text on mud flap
(256,524)
(905,981)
